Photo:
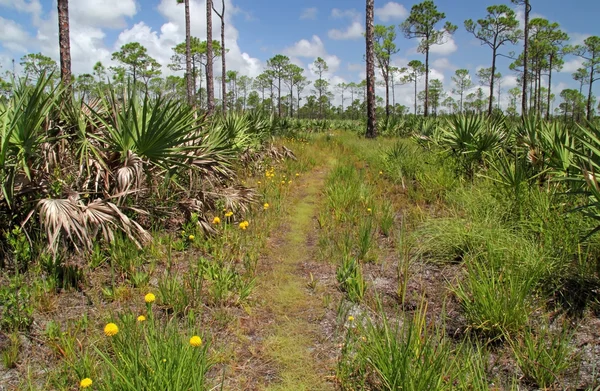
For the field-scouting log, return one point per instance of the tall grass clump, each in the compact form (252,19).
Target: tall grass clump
(383,353)
(146,353)
(496,293)
(544,354)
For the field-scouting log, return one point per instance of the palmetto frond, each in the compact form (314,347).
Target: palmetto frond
(80,223)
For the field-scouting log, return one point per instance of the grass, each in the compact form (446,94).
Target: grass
(438,281)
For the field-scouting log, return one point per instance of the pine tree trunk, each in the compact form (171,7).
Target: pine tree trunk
(589,101)
(210,86)
(188,56)
(65,44)
(371,121)
(221,16)
(492,81)
(549,85)
(426,112)
(525,59)
(387,97)
(416,79)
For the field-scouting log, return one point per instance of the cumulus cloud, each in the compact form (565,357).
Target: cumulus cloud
(578,38)
(443,63)
(90,20)
(354,31)
(337,13)
(309,14)
(391,11)
(14,36)
(102,13)
(448,47)
(573,65)
(305,48)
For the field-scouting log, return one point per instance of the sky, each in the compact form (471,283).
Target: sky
(256,30)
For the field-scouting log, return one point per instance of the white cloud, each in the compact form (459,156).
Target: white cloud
(337,13)
(573,65)
(14,36)
(354,31)
(443,63)
(356,67)
(305,48)
(391,11)
(446,48)
(309,14)
(509,82)
(31,7)
(89,21)
(102,13)
(578,38)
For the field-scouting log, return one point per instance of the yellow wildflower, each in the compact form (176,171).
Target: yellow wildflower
(290,182)
(216,220)
(244,224)
(191,237)
(369,210)
(266,206)
(351,318)
(85,383)
(111,329)
(297,174)
(141,318)
(229,214)
(195,341)
(149,298)
(283,182)
(380,172)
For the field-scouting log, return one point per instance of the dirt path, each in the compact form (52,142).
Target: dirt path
(284,347)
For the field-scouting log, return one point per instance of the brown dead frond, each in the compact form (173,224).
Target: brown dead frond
(63,216)
(129,176)
(79,223)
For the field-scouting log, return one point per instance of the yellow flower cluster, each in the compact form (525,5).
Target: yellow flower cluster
(111,329)
(369,210)
(191,238)
(244,225)
(141,318)
(266,206)
(149,298)
(229,214)
(85,383)
(216,220)
(270,173)
(196,341)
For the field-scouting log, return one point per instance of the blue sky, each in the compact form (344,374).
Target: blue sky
(259,29)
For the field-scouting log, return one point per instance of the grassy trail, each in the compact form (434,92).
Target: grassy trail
(283,335)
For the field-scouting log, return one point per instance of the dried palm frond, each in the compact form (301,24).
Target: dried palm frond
(130,175)
(237,197)
(103,215)
(81,223)
(63,216)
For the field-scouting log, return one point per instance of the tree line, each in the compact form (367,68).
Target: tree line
(284,89)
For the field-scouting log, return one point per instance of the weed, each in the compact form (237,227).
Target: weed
(16,308)
(153,355)
(386,220)
(10,354)
(365,238)
(350,277)
(404,355)
(544,355)
(496,294)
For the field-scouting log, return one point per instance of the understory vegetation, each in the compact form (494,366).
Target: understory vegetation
(455,252)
